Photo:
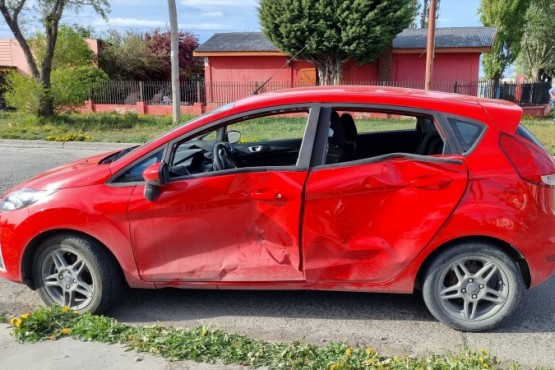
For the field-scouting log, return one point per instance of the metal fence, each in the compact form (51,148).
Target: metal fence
(150,92)
(218,93)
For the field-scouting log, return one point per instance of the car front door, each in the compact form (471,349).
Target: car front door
(237,224)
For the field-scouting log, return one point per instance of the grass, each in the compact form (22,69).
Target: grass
(204,344)
(133,128)
(107,127)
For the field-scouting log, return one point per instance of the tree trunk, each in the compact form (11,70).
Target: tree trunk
(330,70)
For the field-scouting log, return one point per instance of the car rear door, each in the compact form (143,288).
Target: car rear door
(366,220)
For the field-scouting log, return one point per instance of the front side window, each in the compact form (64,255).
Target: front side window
(269,139)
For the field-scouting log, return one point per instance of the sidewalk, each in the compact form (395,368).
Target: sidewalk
(70,354)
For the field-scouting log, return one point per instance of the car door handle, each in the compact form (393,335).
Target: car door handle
(255,149)
(272,195)
(430,182)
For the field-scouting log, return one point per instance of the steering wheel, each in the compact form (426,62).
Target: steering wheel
(223,156)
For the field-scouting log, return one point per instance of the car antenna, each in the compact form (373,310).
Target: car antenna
(279,70)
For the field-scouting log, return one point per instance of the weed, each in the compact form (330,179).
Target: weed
(205,344)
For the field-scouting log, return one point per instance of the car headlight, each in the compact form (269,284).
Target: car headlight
(23,198)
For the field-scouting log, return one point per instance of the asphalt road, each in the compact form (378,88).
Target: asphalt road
(393,324)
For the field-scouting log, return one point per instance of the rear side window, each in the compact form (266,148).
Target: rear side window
(467,133)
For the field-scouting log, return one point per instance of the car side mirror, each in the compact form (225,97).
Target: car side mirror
(155,178)
(233,137)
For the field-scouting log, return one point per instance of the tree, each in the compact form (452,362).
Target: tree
(159,43)
(126,56)
(49,12)
(70,50)
(73,73)
(537,57)
(508,16)
(330,32)
(146,57)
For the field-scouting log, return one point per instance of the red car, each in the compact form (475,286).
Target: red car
(366,189)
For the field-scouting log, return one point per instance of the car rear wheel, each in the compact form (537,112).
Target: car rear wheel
(472,287)
(76,272)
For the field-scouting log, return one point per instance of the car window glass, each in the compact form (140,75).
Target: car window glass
(467,133)
(135,173)
(271,139)
(364,134)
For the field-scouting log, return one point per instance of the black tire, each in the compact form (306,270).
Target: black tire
(472,287)
(77,272)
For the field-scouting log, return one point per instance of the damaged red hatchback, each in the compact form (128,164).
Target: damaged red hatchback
(364,189)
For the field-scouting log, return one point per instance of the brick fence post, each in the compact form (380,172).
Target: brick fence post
(141,107)
(198,109)
(88,106)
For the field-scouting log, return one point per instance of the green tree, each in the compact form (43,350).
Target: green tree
(71,48)
(537,58)
(73,73)
(508,16)
(330,32)
(49,12)
(126,56)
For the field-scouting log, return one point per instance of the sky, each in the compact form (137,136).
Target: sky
(206,17)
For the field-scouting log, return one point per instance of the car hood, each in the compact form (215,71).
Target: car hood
(83,172)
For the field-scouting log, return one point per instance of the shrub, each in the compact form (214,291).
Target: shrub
(72,85)
(23,93)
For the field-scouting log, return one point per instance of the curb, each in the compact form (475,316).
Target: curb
(63,145)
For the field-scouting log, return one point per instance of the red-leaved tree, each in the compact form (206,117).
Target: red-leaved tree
(159,43)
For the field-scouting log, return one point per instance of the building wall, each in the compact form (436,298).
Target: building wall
(448,67)
(11,55)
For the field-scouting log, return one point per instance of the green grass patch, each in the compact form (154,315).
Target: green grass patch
(543,129)
(107,127)
(133,128)
(204,344)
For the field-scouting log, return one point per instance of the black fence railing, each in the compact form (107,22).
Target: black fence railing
(150,92)
(218,93)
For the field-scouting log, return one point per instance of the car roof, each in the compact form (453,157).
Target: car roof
(506,115)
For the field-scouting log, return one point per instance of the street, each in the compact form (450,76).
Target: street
(392,324)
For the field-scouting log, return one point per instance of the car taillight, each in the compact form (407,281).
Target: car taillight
(531,162)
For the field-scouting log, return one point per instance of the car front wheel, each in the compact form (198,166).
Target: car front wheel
(472,287)
(76,272)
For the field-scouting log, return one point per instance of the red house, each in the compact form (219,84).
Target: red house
(235,62)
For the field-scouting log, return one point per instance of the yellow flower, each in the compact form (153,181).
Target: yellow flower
(333,367)
(370,351)
(348,352)
(17,323)
(369,362)
(12,321)
(65,331)
(25,316)
(66,309)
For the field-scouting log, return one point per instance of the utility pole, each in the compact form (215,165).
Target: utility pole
(176,90)
(430,48)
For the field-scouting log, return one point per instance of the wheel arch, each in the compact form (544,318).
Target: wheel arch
(513,253)
(36,242)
